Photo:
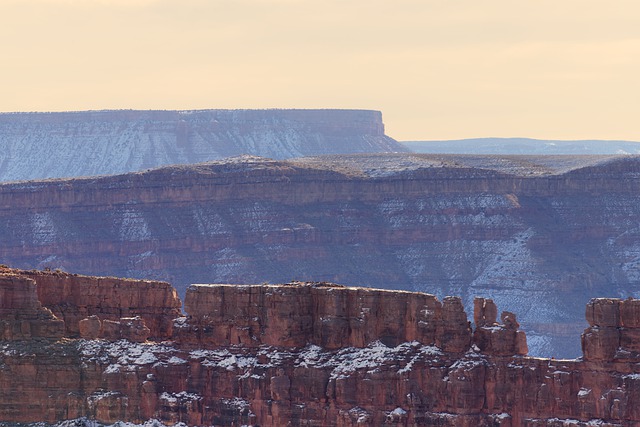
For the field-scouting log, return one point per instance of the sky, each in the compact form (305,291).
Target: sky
(551,69)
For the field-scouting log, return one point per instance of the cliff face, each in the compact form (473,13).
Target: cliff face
(50,145)
(306,354)
(540,236)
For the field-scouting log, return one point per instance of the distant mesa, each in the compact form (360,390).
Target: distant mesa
(86,143)
(523,146)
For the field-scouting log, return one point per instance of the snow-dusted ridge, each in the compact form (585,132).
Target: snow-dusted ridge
(89,143)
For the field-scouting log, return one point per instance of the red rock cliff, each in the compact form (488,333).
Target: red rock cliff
(72,298)
(310,354)
(329,316)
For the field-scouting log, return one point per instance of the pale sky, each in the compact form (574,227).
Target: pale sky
(437,69)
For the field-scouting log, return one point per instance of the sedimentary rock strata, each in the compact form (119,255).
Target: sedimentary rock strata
(305,354)
(539,236)
(84,143)
(72,298)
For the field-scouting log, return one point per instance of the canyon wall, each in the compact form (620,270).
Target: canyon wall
(52,145)
(540,236)
(305,354)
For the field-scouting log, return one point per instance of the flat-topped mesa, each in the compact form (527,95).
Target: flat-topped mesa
(327,315)
(123,308)
(112,142)
(614,330)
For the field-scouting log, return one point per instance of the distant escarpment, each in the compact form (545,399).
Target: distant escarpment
(297,354)
(54,145)
(538,235)
(521,146)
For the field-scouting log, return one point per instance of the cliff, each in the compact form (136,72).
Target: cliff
(538,235)
(306,354)
(50,145)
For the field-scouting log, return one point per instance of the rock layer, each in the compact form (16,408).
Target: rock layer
(310,354)
(539,236)
(72,298)
(329,316)
(53,145)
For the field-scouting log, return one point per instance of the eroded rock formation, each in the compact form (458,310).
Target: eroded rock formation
(329,316)
(539,236)
(73,297)
(301,354)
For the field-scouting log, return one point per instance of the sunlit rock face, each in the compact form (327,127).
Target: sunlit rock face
(54,145)
(298,353)
(538,235)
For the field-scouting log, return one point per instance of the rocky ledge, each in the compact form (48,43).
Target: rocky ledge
(314,354)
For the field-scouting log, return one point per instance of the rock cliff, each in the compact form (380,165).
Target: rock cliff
(538,235)
(50,145)
(303,354)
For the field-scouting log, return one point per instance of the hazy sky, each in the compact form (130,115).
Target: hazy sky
(437,69)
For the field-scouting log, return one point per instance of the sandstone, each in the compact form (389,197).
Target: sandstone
(603,312)
(630,313)
(129,328)
(485,312)
(73,297)
(454,332)
(504,339)
(614,331)
(509,320)
(89,328)
(22,316)
(323,314)
(312,354)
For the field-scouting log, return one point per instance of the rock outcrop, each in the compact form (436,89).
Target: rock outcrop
(54,145)
(22,316)
(307,354)
(614,330)
(329,316)
(539,236)
(504,339)
(116,307)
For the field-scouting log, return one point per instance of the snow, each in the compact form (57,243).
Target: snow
(223,359)
(123,354)
(182,397)
(359,415)
(85,422)
(584,392)
(176,361)
(571,422)
(398,412)
(369,359)
(36,146)
(237,403)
